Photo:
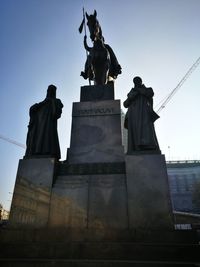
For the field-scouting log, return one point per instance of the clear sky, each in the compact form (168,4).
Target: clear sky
(40,44)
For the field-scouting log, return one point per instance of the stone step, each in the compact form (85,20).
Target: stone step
(88,263)
(127,236)
(108,251)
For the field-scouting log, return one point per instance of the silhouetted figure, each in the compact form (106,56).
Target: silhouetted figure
(104,62)
(140,118)
(98,62)
(42,137)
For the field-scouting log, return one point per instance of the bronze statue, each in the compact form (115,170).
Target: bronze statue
(98,62)
(101,65)
(42,137)
(140,117)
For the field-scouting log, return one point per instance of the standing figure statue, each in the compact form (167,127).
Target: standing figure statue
(101,64)
(140,118)
(42,137)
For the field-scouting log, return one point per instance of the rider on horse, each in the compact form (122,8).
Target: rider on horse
(101,60)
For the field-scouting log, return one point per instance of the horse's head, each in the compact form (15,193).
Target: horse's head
(94,26)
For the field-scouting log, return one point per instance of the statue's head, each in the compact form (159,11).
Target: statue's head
(51,91)
(137,81)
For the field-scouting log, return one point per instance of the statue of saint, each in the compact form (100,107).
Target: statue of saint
(98,62)
(42,137)
(101,65)
(140,118)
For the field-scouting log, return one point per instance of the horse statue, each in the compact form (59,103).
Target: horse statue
(98,62)
(101,64)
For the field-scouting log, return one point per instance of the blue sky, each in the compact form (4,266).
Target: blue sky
(40,45)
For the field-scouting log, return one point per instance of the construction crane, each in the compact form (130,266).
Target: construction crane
(168,98)
(12,141)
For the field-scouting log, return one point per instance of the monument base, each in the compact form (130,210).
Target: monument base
(95,202)
(54,248)
(32,193)
(149,203)
(122,195)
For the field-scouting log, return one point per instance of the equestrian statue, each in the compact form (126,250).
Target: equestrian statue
(101,65)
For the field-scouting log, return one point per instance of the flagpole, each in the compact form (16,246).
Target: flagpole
(86,36)
(84,29)
(84,21)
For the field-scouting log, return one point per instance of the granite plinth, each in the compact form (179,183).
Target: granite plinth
(97,92)
(31,198)
(108,202)
(149,204)
(94,154)
(96,132)
(89,202)
(109,254)
(69,202)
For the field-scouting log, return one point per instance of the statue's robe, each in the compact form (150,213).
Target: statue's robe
(115,67)
(42,137)
(102,55)
(140,119)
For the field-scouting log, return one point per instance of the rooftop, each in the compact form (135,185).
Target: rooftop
(182,163)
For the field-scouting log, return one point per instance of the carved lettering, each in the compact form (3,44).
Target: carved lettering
(95,111)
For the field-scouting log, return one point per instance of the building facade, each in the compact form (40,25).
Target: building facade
(184,179)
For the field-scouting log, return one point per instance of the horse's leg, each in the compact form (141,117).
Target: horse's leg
(101,73)
(105,70)
(91,74)
(104,74)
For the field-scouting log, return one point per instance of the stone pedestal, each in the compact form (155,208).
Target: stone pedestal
(31,198)
(97,188)
(97,92)
(69,202)
(96,132)
(149,204)
(90,202)
(96,127)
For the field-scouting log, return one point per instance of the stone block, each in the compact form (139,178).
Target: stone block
(149,203)
(89,202)
(31,198)
(94,154)
(96,123)
(69,202)
(108,202)
(97,92)
(96,132)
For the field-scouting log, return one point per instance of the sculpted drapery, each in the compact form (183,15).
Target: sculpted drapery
(42,137)
(140,118)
